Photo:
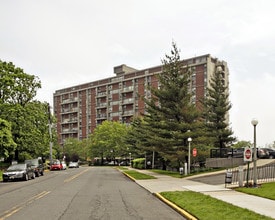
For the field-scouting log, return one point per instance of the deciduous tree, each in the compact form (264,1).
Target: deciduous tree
(28,117)
(107,140)
(7,145)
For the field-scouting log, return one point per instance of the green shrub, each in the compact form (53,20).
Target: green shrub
(138,163)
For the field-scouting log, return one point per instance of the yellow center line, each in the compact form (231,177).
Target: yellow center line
(75,176)
(15,209)
(11,213)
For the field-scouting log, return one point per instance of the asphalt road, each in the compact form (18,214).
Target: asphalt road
(83,193)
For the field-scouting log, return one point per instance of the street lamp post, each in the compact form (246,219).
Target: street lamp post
(254,122)
(130,159)
(189,149)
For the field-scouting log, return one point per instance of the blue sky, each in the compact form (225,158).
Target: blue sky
(66,42)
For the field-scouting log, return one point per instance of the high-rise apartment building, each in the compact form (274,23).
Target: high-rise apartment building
(79,109)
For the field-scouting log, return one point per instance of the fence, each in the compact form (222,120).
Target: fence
(265,173)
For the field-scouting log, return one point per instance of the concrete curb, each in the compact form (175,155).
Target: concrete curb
(134,180)
(175,207)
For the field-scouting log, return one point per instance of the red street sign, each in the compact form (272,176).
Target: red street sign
(194,152)
(247,154)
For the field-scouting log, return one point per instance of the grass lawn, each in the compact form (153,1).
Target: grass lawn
(122,168)
(137,175)
(266,190)
(169,173)
(205,207)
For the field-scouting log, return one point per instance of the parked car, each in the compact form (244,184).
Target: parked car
(124,163)
(73,165)
(64,165)
(37,165)
(263,153)
(235,152)
(56,165)
(22,171)
(271,153)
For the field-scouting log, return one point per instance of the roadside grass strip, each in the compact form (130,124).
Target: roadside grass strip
(205,207)
(168,173)
(137,175)
(265,190)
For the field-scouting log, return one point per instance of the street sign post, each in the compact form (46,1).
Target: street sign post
(247,154)
(194,152)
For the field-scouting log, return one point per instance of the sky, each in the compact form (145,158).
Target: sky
(65,43)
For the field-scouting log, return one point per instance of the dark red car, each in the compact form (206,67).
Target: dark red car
(56,165)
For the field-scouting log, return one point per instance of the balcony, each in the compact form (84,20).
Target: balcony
(101,116)
(69,121)
(101,94)
(101,105)
(69,110)
(69,131)
(128,89)
(128,101)
(70,100)
(128,113)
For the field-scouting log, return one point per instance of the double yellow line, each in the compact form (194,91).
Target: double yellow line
(73,177)
(16,208)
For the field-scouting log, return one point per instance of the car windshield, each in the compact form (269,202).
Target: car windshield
(56,162)
(16,167)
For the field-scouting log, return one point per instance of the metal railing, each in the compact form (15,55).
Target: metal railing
(265,173)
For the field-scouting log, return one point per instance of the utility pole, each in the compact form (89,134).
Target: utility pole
(50,132)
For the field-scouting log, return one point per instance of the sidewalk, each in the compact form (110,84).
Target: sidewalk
(166,183)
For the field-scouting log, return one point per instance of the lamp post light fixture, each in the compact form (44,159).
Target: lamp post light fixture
(254,122)
(189,149)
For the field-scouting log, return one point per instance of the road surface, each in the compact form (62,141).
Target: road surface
(82,193)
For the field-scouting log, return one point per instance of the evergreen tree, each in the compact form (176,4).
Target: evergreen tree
(216,110)
(170,113)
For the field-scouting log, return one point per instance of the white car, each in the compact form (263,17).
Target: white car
(64,165)
(73,165)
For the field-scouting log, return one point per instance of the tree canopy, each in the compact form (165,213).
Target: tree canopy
(107,140)
(7,145)
(28,118)
(16,87)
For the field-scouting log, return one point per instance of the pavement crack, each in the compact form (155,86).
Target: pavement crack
(129,209)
